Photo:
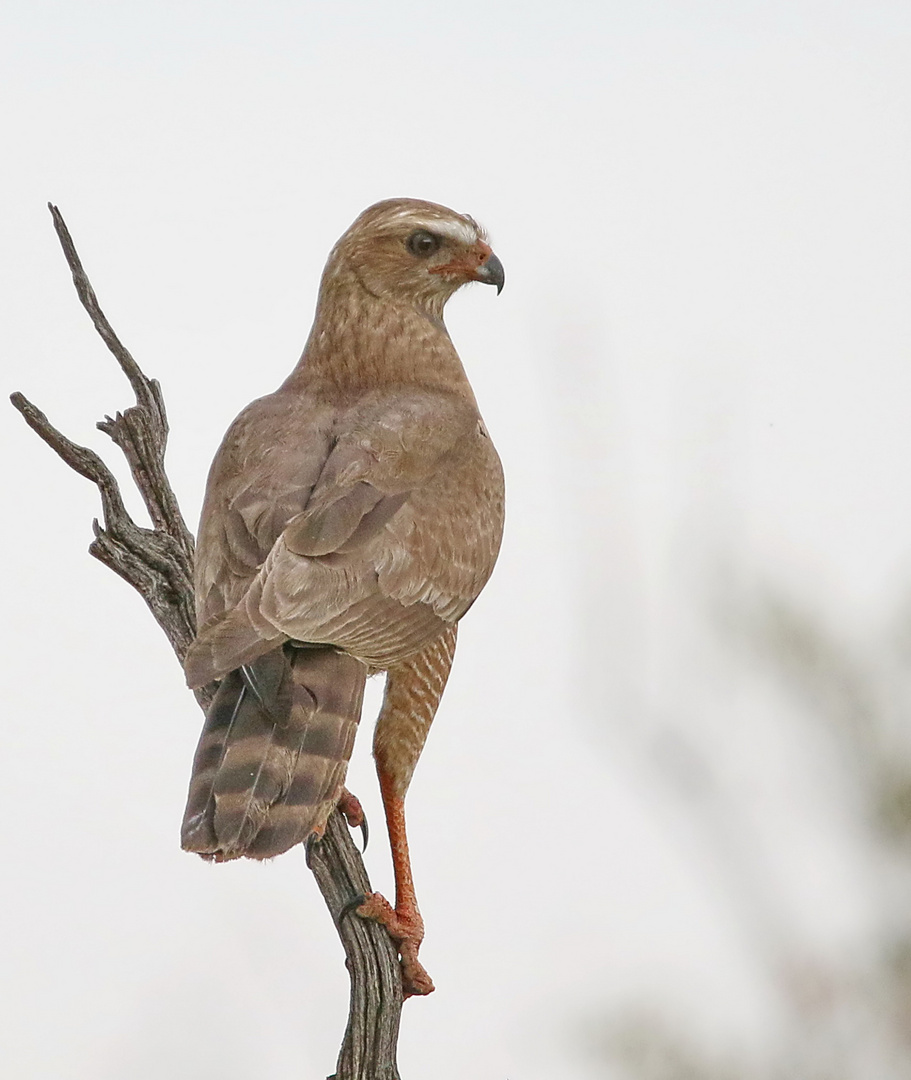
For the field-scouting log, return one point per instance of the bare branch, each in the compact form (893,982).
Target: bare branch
(370,1041)
(142,431)
(158,563)
(90,302)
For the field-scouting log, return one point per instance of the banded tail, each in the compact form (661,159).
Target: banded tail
(271,761)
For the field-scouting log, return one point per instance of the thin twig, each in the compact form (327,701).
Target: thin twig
(142,431)
(158,563)
(89,301)
(151,560)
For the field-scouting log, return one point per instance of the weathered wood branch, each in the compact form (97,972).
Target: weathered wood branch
(158,563)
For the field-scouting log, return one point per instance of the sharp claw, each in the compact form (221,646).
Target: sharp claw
(351,810)
(352,905)
(312,841)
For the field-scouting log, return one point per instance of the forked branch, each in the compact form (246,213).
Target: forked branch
(158,563)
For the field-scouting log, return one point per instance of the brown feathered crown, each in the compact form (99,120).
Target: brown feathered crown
(412,250)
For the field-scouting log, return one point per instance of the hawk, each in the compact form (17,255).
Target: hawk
(350,520)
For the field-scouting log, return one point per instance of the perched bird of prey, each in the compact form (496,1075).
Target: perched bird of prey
(350,520)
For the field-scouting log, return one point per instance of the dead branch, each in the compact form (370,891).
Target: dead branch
(158,563)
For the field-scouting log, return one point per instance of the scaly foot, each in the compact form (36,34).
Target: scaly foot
(406,928)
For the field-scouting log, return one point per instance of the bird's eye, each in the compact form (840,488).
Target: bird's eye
(423,243)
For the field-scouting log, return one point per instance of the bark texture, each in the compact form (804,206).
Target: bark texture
(158,563)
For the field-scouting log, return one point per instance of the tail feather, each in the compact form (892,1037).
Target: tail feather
(272,757)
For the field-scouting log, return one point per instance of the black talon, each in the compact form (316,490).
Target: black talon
(312,842)
(352,905)
(364,827)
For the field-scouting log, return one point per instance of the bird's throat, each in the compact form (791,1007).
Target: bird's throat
(359,340)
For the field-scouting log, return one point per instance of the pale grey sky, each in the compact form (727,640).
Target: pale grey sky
(699,378)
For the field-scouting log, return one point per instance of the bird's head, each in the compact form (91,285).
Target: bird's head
(414,251)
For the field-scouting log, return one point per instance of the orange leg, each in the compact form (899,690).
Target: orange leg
(404,922)
(413,690)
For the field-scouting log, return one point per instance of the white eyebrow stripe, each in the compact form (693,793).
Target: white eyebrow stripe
(460,231)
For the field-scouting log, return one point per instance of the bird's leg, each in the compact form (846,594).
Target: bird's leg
(413,691)
(404,922)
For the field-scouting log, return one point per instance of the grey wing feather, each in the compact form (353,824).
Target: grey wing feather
(261,478)
(351,532)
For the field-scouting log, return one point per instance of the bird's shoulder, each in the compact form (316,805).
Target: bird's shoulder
(271,439)
(395,437)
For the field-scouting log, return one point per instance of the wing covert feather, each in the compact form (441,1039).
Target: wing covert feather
(348,527)
(261,478)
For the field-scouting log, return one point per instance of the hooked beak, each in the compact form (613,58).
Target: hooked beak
(480,264)
(491,272)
